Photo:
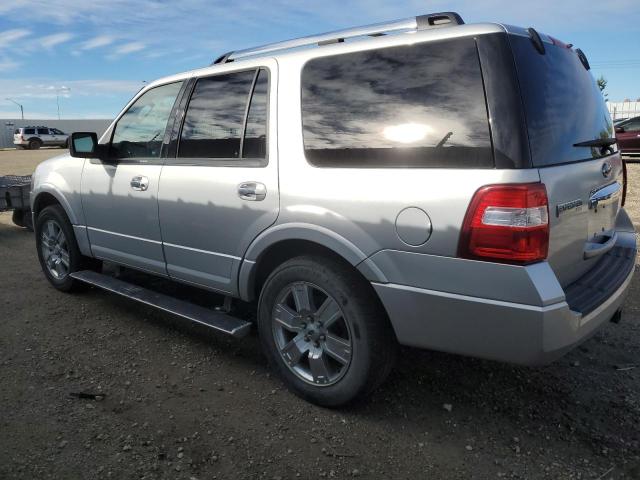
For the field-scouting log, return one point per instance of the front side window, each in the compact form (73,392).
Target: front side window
(55,131)
(220,123)
(140,131)
(409,106)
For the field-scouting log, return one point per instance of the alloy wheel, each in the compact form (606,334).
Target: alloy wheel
(55,250)
(312,334)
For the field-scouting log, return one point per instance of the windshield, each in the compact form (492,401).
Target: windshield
(562,102)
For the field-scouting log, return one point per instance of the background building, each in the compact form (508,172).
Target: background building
(7,127)
(624,109)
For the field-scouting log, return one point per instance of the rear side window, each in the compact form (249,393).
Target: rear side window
(43,131)
(255,137)
(29,131)
(410,106)
(17,131)
(226,117)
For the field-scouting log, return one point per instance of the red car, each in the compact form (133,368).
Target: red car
(628,136)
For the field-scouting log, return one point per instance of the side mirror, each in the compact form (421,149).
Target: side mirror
(85,145)
(619,129)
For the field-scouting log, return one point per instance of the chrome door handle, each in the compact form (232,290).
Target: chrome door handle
(139,183)
(252,191)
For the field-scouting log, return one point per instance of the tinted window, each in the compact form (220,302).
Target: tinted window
(255,137)
(56,131)
(29,131)
(562,103)
(140,131)
(17,131)
(43,131)
(417,106)
(632,126)
(214,121)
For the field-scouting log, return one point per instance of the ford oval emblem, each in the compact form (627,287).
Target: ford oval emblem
(606,169)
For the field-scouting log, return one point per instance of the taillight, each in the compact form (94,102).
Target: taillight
(624,182)
(507,223)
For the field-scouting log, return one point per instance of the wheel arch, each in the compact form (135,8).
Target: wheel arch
(284,242)
(49,196)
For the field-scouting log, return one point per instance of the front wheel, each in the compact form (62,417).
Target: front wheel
(324,331)
(57,248)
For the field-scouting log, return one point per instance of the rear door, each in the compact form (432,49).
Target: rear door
(221,189)
(45,136)
(563,107)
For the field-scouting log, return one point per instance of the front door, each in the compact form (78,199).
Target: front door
(120,194)
(221,189)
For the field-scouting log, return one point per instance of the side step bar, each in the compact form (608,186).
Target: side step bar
(218,321)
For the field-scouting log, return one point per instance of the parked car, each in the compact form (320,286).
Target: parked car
(36,137)
(396,188)
(618,121)
(628,136)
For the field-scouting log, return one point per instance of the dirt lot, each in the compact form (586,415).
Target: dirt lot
(181,402)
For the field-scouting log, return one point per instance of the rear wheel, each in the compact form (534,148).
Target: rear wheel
(321,328)
(57,248)
(35,144)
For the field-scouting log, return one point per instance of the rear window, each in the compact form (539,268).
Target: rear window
(410,106)
(562,103)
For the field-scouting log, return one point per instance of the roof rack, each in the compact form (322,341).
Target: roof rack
(421,22)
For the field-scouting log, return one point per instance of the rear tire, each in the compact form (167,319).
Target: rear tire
(22,218)
(35,144)
(18,218)
(324,331)
(58,250)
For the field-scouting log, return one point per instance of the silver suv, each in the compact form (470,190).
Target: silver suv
(36,137)
(422,182)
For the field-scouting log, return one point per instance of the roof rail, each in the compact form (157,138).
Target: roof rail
(421,22)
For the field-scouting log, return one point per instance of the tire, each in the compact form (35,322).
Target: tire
(18,218)
(49,222)
(35,144)
(65,144)
(305,345)
(22,218)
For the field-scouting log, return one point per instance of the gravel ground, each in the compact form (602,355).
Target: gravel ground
(180,402)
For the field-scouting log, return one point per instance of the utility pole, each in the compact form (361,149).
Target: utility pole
(58,91)
(21,109)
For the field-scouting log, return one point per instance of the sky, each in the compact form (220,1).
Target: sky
(91,56)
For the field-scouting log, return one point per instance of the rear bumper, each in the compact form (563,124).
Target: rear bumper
(492,329)
(514,314)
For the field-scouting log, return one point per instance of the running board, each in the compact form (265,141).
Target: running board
(218,321)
